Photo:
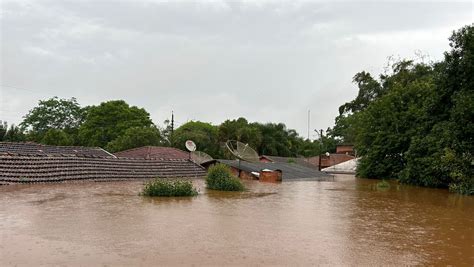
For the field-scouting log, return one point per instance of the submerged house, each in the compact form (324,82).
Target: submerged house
(30,162)
(272,171)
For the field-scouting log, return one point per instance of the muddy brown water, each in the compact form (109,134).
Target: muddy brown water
(344,222)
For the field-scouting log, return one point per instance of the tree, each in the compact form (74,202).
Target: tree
(3,129)
(53,113)
(417,126)
(57,137)
(109,120)
(14,134)
(240,130)
(203,134)
(443,155)
(136,137)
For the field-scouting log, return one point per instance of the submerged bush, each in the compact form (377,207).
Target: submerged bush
(166,188)
(383,184)
(219,177)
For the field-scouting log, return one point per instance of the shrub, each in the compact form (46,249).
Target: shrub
(165,188)
(219,177)
(383,184)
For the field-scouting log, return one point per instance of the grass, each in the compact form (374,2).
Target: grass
(219,177)
(169,188)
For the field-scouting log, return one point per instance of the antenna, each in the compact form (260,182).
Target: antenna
(190,145)
(200,157)
(242,151)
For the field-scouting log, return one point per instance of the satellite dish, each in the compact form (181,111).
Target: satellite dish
(190,145)
(242,151)
(200,157)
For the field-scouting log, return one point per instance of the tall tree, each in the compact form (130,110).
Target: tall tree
(416,124)
(53,113)
(110,120)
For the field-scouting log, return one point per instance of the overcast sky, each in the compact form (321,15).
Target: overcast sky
(268,61)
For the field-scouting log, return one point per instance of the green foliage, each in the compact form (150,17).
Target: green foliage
(203,134)
(53,113)
(13,134)
(383,184)
(219,177)
(136,137)
(272,139)
(3,129)
(57,137)
(240,130)
(109,120)
(165,188)
(416,124)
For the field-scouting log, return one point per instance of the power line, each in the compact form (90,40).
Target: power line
(26,89)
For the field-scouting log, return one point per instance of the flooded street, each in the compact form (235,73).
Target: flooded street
(345,222)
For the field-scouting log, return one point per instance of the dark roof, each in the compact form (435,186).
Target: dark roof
(153,152)
(21,168)
(29,148)
(300,161)
(289,170)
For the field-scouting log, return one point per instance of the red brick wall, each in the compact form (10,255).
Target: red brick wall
(333,159)
(243,174)
(345,149)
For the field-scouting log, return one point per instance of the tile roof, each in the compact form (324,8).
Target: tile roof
(153,152)
(290,171)
(40,168)
(29,148)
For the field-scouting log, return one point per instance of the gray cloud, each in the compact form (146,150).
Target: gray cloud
(209,61)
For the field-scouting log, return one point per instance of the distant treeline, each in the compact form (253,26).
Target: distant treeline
(115,126)
(415,123)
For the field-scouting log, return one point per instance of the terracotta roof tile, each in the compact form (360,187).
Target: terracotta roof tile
(153,152)
(29,148)
(26,169)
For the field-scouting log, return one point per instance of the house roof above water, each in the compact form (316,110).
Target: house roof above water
(153,152)
(30,148)
(290,171)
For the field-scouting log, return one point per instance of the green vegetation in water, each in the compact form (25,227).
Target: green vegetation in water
(291,160)
(414,123)
(219,177)
(383,184)
(165,188)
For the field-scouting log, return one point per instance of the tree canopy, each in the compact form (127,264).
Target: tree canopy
(110,120)
(202,133)
(53,113)
(136,137)
(415,124)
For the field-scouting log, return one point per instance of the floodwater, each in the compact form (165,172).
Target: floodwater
(343,222)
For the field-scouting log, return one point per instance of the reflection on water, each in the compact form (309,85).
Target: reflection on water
(346,221)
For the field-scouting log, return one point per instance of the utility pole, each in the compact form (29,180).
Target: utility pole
(320,147)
